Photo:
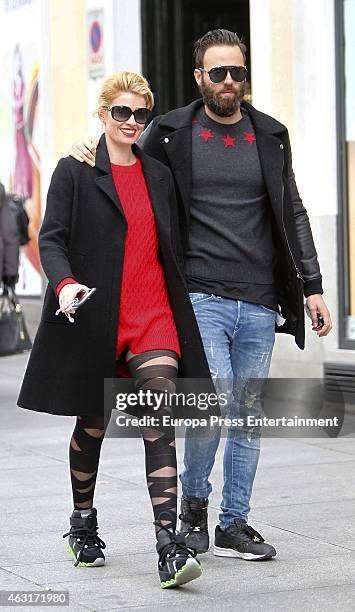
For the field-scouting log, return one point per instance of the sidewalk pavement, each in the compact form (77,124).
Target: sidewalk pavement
(304,504)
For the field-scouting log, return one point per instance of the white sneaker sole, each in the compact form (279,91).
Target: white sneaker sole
(235,554)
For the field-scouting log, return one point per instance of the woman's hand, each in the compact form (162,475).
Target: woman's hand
(68,293)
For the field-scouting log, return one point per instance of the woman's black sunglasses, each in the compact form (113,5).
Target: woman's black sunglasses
(123,113)
(218,74)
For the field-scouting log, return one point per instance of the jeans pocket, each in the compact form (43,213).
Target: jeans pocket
(200,297)
(269,310)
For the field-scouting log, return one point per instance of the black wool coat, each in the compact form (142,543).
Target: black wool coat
(83,235)
(168,139)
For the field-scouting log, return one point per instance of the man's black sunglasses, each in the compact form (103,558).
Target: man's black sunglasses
(123,113)
(218,74)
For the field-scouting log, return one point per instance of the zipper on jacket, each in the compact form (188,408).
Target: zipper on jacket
(299,275)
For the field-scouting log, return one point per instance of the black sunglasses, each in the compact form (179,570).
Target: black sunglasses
(123,113)
(218,74)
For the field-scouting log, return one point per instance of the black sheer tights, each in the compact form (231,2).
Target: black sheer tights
(152,370)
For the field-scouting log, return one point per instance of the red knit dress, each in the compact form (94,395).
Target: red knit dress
(146,320)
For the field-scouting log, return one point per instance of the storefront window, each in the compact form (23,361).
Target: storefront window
(346,112)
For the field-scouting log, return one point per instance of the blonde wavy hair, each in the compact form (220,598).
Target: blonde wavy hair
(124,80)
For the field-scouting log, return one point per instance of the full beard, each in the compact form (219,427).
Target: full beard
(223,106)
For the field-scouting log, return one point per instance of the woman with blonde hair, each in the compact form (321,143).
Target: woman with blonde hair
(114,227)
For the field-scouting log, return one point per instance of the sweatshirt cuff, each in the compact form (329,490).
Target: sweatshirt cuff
(68,280)
(312,287)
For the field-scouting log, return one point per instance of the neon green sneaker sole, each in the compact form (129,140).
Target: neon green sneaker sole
(97,563)
(190,571)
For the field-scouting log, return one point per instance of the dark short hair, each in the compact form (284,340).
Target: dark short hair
(213,38)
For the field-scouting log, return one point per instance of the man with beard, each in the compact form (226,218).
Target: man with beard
(249,258)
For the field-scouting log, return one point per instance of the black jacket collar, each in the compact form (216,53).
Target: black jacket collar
(156,176)
(102,160)
(182,117)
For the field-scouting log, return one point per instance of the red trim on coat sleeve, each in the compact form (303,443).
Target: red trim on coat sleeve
(68,280)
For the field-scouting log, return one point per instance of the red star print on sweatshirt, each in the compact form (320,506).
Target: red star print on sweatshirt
(206,134)
(249,137)
(229,141)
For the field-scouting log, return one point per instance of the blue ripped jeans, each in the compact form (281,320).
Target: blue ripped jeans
(238,339)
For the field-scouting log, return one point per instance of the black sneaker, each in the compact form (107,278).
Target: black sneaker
(194,523)
(242,541)
(177,564)
(84,543)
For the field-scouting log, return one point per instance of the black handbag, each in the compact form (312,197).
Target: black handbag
(14,337)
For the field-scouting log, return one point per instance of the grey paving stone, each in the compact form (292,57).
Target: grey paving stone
(308,483)
(332,441)
(52,514)
(11,580)
(8,450)
(332,523)
(25,461)
(127,593)
(118,564)
(342,446)
(323,599)
(29,548)
(297,452)
(44,480)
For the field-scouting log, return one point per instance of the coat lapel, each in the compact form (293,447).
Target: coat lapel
(157,186)
(271,160)
(178,149)
(105,182)
(271,155)
(177,144)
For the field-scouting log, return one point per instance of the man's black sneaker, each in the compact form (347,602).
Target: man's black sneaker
(84,543)
(241,540)
(194,523)
(177,564)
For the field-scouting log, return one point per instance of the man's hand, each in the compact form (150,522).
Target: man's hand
(85,150)
(68,293)
(316,304)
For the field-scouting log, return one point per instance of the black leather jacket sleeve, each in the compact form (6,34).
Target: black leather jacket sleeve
(309,260)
